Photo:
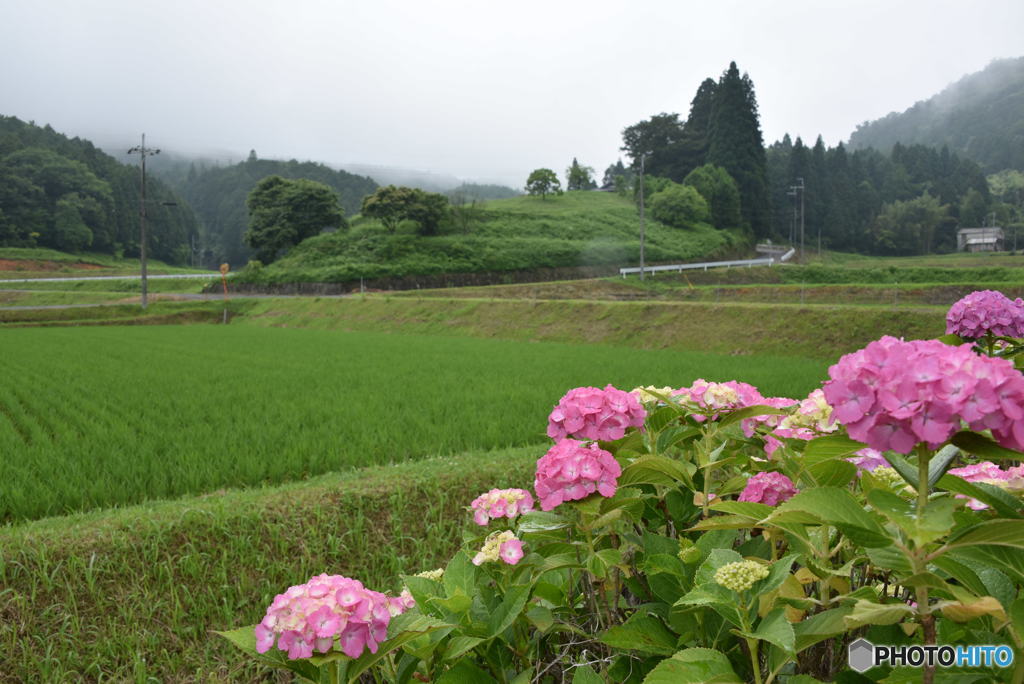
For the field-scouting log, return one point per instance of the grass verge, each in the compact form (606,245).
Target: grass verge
(131,594)
(818,332)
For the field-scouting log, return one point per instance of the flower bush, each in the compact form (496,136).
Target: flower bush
(669,549)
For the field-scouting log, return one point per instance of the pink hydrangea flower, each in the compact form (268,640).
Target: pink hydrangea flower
(768,488)
(511,551)
(986,311)
(328,611)
(893,395)
(708,399)
(987,472)
(501,503)
(868,459)
(592,413)
(573,470)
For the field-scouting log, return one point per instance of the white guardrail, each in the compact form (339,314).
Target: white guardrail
(679,268)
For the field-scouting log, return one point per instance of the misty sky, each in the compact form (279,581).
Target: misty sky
(485,91)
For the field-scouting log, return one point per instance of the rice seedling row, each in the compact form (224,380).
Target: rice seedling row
(95,417)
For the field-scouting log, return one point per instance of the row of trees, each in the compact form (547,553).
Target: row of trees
(908,202)
(68,195)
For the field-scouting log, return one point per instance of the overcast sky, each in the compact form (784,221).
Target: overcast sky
(485,91)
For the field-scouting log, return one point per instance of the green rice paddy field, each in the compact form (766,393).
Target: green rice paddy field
(106,416)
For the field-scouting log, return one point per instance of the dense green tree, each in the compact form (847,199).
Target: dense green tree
(390,205)
(71,234)
(904,228)
(579,177)
(973,209)
(428,210)
(679,206)
(543,182)
(618,176)
(44,175)
(735,144)
(718,188)
(657,140)
(283,213)
(694,143)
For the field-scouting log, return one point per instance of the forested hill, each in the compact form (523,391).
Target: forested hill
(67,194)
(981,116)
(217,194)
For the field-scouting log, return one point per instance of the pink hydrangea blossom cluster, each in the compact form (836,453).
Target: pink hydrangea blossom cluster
(893,395)
(708,399)
(573,470)
(592,413)
(868,459)
(502,546)
(328,611)
(501,503)
(812,418)
(989,473)
(768,488)
(986,311)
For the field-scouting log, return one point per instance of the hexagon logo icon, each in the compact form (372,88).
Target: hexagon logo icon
(861,655)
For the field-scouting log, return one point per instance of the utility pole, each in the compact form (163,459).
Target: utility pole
(792,222)
(800,188)
(642,217)
(143,152)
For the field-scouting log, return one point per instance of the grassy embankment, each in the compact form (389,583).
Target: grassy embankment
(132,594)
(39,262)
(574,229)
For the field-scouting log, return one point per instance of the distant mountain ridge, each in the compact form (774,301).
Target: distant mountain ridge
(981,117)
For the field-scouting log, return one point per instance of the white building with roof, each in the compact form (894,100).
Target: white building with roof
(990,239)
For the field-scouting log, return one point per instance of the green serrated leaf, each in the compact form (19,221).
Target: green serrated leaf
(656,470)
(694,666)
(643,633)
(980,445)
(838,508)
(775,629)
(508,610)
(747,509)
(936,522)
(830,447)
(821,626)
(460,574)
(870,613)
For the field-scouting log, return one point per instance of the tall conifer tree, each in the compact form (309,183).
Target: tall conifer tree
(735,143)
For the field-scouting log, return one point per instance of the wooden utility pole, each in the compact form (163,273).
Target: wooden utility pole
(143,152)
(642,217)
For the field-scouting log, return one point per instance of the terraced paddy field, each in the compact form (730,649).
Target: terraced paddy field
(130,414)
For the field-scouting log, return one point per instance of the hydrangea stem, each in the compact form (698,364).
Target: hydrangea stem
(923,609)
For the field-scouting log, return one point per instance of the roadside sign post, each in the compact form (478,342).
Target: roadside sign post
(224,268)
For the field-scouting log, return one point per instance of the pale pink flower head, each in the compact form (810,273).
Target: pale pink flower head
(868,459)
(501,503)
(592,413)
(768,488)
(987,472)
(511,551)
(503,546)
(328,611)
(706,400)
(893,395)
(573,470)
(986,311)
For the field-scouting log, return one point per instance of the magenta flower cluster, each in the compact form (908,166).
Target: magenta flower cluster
(573,470)
(592,413)
(501,503)
(768,488)
(893,395)
(989,473)
(986,311)
(328,611)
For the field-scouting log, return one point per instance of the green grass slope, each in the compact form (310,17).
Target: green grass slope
(574,229)
(132,594)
